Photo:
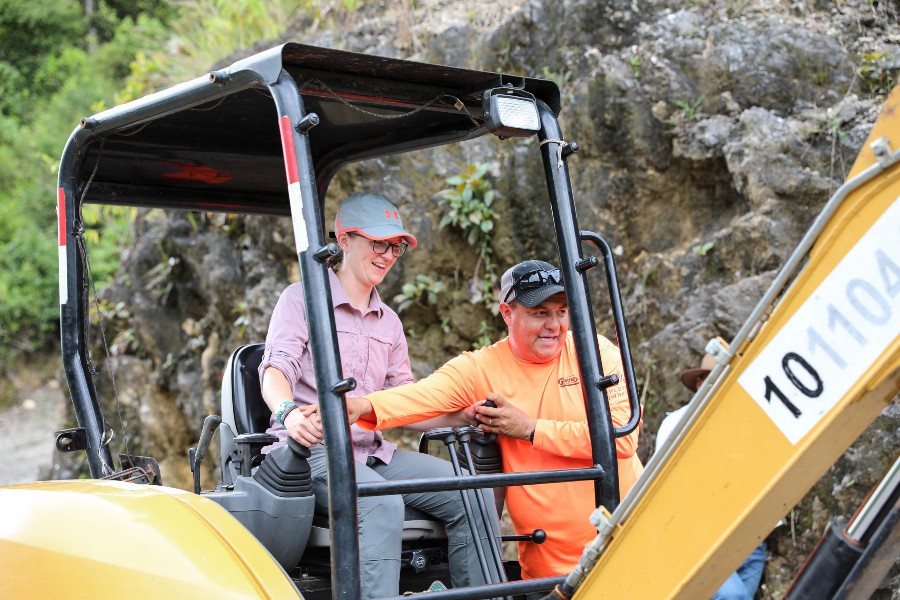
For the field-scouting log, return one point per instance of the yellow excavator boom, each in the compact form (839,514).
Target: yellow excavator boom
(815,364)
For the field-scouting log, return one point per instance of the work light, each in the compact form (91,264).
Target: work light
(510,113)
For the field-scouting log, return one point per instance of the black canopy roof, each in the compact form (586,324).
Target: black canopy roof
(214,143)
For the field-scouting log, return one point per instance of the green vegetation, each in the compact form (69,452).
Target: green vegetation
(62,60)
(690,111)
(468,208)
(561,78)
(422,289)
(875,73)
(484,336)
(468,204)
(57,64)
(635,63)
(703,249)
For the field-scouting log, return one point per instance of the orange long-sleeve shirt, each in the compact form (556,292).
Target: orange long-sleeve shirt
(551,393)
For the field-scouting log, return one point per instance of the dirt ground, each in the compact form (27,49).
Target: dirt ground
(32,408)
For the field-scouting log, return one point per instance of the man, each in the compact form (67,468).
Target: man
(532,376)
(741,584)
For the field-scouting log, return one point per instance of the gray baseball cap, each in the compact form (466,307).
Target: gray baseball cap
(371,216)
(530,283)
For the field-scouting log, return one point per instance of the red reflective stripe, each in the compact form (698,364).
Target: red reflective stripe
(61,215)
(287,145)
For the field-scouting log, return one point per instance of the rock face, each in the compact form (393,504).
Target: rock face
(710,138)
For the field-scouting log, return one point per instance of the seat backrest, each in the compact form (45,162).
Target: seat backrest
(251,415)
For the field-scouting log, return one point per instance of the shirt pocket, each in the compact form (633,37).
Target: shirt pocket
(378,359)
(352,355)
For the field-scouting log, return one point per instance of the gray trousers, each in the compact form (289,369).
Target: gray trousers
(381,520)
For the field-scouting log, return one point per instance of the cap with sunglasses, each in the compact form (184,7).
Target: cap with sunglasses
(371,216)
(529,283)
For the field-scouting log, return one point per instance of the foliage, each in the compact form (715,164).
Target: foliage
(60,61)
(242,320)
(28,275)
(689,111)
(57,64)
(468,202)
(484,336)
(560,78)
(703,249)
(875,72)
(468,207)
(207,31)
(635,63)
(423,288)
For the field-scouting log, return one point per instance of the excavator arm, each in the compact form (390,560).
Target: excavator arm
(817,361)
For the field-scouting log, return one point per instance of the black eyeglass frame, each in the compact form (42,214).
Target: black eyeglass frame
(398,249)
(521,284)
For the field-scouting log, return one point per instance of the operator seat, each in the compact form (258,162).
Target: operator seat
(245,412)
(251,415)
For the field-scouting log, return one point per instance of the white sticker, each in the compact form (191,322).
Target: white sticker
(835,336)
(63,276)
(300,237)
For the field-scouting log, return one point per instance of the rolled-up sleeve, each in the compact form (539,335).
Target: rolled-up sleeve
(287,337)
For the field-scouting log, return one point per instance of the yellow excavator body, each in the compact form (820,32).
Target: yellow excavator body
(787,399)
(109,539)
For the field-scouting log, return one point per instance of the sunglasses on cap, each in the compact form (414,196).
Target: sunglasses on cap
(381,246)
(533,280)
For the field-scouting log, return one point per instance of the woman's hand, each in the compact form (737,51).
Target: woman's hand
(304,424)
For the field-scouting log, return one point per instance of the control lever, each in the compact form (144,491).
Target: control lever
(210,424)
(489,437)
(538,536)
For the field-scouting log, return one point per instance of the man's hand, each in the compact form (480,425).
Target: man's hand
(357,406)
(506,419)
(305,425)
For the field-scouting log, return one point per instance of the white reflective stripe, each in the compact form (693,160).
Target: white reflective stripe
(835,336)
(63,277)
(300,238)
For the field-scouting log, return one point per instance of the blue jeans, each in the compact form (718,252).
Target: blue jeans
(742,584)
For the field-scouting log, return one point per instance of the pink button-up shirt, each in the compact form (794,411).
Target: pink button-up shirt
(373,351)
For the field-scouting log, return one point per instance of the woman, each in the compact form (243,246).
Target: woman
(373,346)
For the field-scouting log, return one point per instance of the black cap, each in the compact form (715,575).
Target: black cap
(530,283)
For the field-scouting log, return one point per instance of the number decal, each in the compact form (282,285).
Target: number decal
(835,336)
(771,388)
(884,309)
(817,341)
(793,357)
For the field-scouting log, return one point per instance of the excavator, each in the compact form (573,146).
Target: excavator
(815,363)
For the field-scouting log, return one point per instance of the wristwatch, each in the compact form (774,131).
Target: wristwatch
(283,411)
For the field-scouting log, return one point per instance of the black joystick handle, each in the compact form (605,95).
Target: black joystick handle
(489,437)
(298,448)
(538,536)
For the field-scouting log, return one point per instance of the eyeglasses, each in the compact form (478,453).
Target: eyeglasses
(533,280)
(381,246)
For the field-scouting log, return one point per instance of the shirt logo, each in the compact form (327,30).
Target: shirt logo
(570,380)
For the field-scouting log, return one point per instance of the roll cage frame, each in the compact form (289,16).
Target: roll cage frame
(225,142)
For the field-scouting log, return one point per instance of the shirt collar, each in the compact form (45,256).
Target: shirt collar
(339,296)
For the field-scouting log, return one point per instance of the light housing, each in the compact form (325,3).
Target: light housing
(510,112)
